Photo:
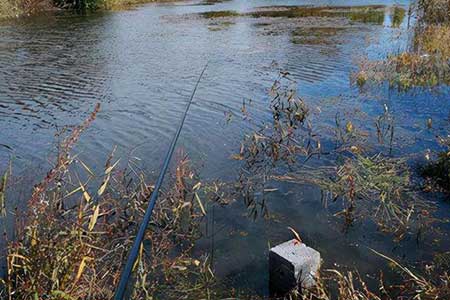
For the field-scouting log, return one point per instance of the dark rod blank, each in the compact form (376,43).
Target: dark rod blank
(134,252)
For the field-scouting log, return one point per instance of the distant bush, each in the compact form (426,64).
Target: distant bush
(79,4)
(15,8)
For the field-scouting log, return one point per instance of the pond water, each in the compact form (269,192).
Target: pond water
(141,65)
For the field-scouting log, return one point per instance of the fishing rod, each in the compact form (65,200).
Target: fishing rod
(134,252)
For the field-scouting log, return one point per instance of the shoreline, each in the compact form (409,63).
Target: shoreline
(13,12)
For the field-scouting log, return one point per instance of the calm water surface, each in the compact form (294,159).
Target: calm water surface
(142,64)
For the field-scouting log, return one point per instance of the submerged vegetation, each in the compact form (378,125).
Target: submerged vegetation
(374,187)
(316,35)
(365,14)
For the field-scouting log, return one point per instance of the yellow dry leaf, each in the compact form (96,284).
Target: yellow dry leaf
(237,157)
(141,251)
(86,168)
(86,195)
(73,192)
(297,236)
(94,218)
(197,186)
(103,186)
(200,204)
(349,126)
(81,267)
(33,237)
(180,268)
(108,170)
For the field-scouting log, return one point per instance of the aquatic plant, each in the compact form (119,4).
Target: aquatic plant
(219,14)
(369,186)
(348,137)
(73,238)
(374,187)
(406,71)
(364,14)
(279,140)
(283,140)
(351,285)
(316,35)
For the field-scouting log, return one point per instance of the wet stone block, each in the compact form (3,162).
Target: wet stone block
(292,264)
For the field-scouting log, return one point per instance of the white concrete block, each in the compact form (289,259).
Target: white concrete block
(292,264)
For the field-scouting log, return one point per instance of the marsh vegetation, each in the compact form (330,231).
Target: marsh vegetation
(426,63)
(71,237)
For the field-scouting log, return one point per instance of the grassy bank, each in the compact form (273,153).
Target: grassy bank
(426,63)
(73,238)
(9,9)
(18,8)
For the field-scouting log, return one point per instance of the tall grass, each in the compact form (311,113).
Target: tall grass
(426,64)
(16,8)
(434,11)
(73,238)
(9,9)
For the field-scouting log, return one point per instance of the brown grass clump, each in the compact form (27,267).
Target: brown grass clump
(73,238)
(9,9)
(434,11)
(351,286)
(16,8)
(435,40)
(407,70)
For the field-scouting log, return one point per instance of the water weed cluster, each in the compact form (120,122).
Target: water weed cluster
(369,184)
(359,174)
(287,136)
(351,285)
